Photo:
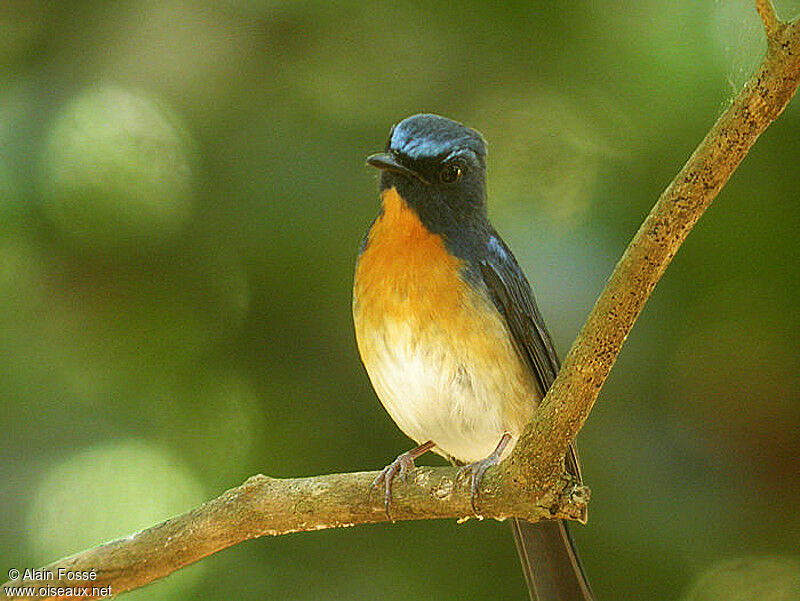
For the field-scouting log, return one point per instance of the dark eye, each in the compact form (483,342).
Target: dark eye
(450,174)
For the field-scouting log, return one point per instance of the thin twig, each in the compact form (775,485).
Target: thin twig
(767,13)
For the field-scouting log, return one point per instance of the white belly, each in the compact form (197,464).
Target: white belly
(431,391)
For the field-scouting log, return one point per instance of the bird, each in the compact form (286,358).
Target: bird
(449,332)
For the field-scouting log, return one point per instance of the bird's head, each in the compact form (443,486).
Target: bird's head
(437,165)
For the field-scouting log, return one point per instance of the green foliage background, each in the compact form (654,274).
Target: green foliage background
(182,193)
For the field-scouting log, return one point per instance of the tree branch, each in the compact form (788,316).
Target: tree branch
(531,483)
(762,99)
(265,506)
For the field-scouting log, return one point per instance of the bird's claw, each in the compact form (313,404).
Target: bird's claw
(401,467)
(476,471)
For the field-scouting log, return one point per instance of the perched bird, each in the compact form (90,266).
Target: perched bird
(448,329)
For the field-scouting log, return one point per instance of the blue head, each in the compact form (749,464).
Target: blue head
(432,137)
(439,168)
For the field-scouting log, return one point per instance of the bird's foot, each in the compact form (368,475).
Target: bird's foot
(478,469)
(399,467)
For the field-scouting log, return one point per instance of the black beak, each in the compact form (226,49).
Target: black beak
(387,162)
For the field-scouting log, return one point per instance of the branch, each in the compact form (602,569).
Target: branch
(531,483)
(768,17)
(265,506)
(762,99)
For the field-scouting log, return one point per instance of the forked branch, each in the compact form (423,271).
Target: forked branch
(530,484)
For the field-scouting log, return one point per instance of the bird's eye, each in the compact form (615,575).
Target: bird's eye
(450,174)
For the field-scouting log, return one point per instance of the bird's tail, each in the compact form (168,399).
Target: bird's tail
(553,570)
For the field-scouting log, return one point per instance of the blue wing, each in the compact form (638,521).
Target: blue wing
(512,295)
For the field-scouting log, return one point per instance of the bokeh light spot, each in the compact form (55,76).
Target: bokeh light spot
(748,579)
(543,152)
(109,491)
(116,170)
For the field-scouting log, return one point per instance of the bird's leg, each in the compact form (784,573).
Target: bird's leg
(478,468)
(400,466)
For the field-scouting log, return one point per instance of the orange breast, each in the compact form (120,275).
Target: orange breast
(405,272)
(437,352)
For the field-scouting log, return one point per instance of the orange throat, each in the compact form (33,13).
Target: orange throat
(405,271)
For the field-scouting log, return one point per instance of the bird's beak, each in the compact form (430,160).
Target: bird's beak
(387,162)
